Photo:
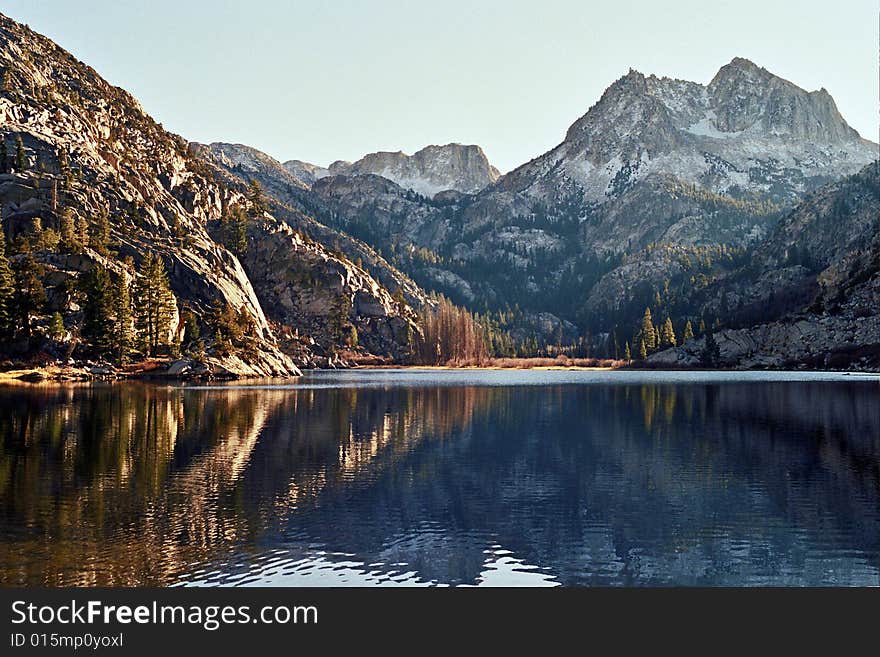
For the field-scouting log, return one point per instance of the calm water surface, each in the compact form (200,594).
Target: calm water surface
(445,477)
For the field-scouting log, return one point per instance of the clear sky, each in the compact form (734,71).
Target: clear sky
(335,79)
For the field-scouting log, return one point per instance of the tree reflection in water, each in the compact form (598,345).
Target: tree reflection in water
(135,484)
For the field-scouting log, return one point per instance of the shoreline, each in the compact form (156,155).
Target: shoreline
(68,374)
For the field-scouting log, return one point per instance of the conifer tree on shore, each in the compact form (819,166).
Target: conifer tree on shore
(154,303)
(30,295)
(97,327)
(688,332)
(7,291)
(122,340)
(648,335)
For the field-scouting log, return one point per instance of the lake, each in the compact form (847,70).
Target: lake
(433,477)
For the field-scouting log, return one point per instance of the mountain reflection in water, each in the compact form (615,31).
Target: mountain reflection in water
(511,478)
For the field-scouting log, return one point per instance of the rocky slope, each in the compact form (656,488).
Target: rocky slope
(322,296)
(90,148)
(819,273)
(427,172)
(305,172)
(237,165)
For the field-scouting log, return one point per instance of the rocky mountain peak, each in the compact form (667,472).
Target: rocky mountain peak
(429,171)
(249,160)
(746,97)
(740,67)
(305,172)
(629,121)
(747,132)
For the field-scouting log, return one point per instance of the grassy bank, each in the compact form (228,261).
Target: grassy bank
(558,363)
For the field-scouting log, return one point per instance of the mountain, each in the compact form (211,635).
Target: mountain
(744,205)
(238,165)
(238,157)
(433,169)
(746,134)
(248,289)
(662,183)
(305,172)
(810,291)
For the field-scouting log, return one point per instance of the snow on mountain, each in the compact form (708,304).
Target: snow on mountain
(429,171)
(747,133)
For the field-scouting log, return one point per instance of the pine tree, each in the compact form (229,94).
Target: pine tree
(668,335)
(688,332)
(63,164)
(6,81)
(339,318)
(257,201)
(56,327)
(154,304)
(711,354)
(30,295)
(7,291)
(98,310)
(191,326)
(82,232)
(399,299)
(4,156)
(233,229)
(99,233)
(67,227)
(20,157)
(627,354)
(226,324)
(643,350)
(648,336)
(122,340)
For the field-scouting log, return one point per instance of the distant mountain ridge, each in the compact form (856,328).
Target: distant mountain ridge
(433,169)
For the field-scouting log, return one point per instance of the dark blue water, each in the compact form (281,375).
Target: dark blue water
(445,477)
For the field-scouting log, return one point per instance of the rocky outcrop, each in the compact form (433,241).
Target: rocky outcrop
(237,165)
(820,342)
(323,295)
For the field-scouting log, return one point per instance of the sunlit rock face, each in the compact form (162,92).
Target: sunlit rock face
(89,147)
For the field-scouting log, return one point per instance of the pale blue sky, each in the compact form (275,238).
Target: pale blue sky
(321,81)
